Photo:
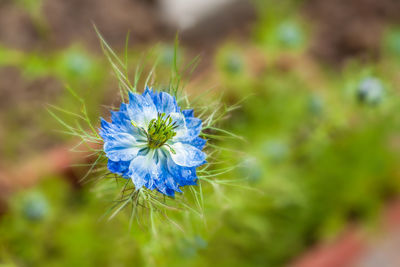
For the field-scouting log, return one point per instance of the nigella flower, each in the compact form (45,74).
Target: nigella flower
(151,141)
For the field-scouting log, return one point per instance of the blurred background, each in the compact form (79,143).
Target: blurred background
(320,172)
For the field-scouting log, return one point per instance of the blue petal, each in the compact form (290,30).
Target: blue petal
(121,117)
(143,171)
(198,142)
(169,192)
(187,155)
(189,131)
(171,176)
(122,123)
(141,110)
(180,130)
(106,128)
(119,167)
(188,113)
(162,188)
(113,132)
(167,183)
(194,127)
(121,146)
(183,175)
(164,102)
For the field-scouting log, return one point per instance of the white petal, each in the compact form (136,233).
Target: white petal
(141,110)
(187,155)
(181,130)
(123,147)
(142,170)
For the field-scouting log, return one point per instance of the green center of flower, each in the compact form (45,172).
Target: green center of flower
(160,130)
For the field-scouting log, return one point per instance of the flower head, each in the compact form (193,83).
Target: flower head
(153,142)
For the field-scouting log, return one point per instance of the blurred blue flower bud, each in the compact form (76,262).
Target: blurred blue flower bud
(251,169)
(200,242)
(190,246)
(35,206)
(233,63)
(275,150)
(370,91)
(315,104)
(289,34)
(78,63)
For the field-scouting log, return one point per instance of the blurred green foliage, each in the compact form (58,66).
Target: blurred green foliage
(316,158)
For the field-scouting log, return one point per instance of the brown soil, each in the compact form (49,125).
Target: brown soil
(344,28)
(70,21)
(73,20)
(65,22)
(348,28)
(17,28)
(17,91)
(21,107)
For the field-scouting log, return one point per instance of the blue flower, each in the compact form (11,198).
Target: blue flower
(151,141)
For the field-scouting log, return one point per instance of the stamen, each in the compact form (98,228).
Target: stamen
(161,130)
